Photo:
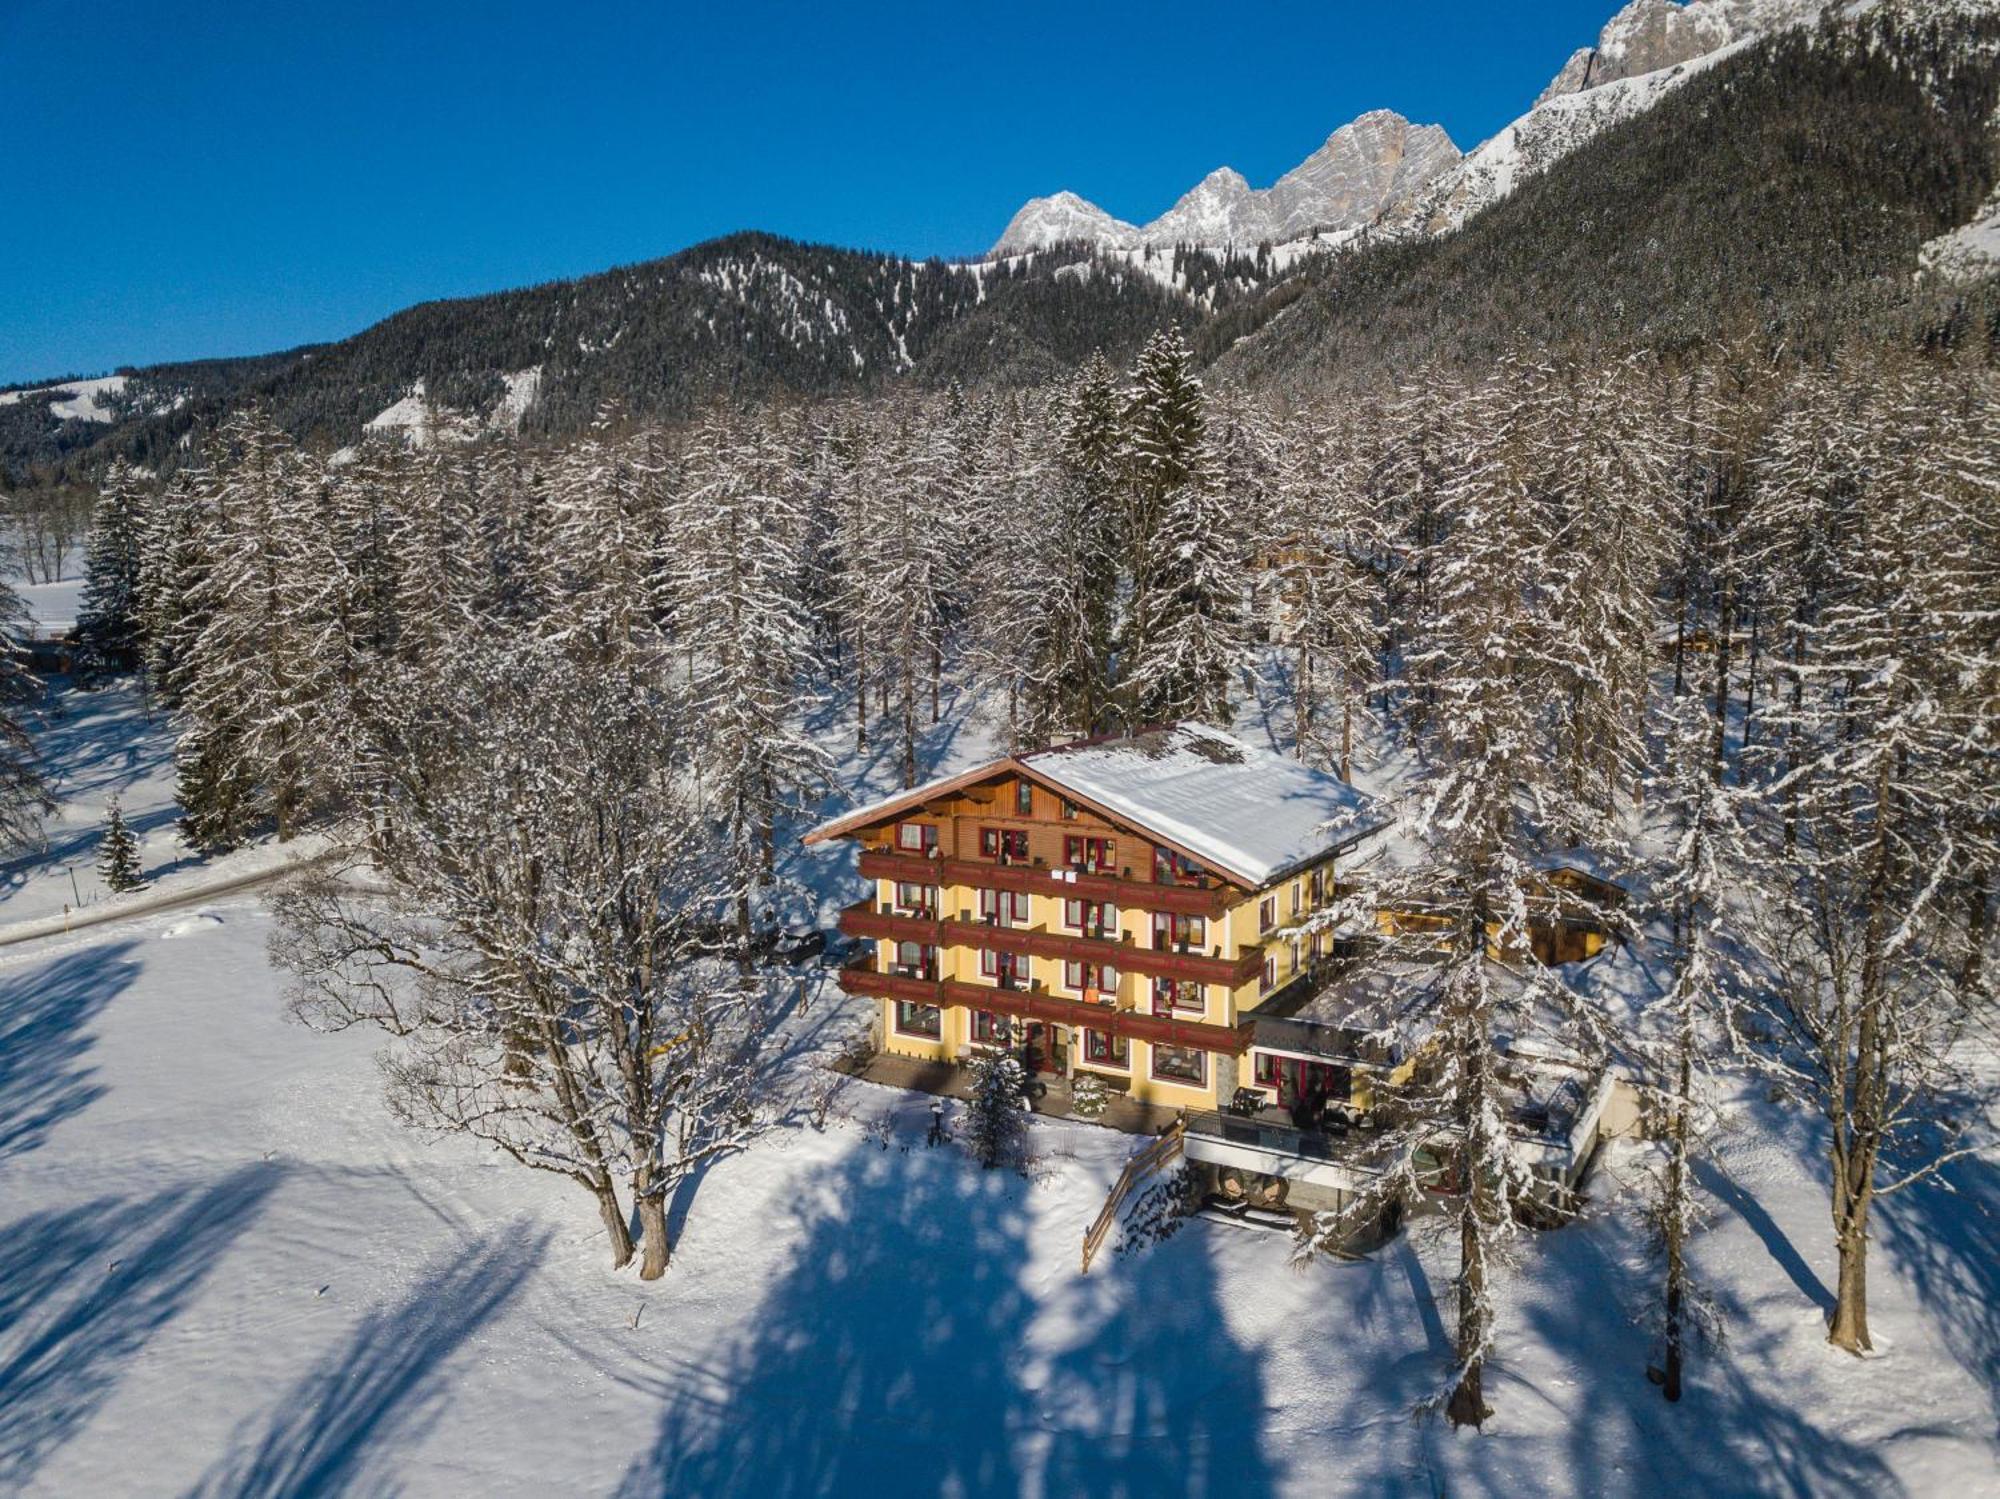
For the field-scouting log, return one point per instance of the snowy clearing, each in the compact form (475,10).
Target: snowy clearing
(76,400)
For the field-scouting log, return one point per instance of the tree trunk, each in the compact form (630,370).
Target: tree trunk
(653,1240)
(909,726)
(1978,917)
(1750,693)
(860,697)
(1467,1406)
(615,1228)
(1849,1329)
(1675,1222)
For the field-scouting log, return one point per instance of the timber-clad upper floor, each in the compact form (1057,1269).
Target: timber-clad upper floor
(1182,819)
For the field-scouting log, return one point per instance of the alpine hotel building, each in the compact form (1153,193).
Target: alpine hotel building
(1113,906)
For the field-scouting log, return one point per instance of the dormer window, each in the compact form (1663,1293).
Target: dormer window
(1024,799)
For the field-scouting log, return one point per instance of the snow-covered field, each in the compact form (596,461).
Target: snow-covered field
(225,1271)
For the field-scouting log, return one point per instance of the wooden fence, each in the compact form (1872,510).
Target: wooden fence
(1162,1149)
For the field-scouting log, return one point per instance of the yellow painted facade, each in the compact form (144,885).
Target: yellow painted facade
(1250,921)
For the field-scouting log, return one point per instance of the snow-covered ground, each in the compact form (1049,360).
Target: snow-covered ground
(225,1271)
(52,607)
(77,400)
(95,746)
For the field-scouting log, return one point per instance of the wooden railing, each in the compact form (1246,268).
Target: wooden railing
(1038,879)
(1156,1154)
(864,919)
(1039,1004)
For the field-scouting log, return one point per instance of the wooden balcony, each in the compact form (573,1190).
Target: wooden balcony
(855,979)
(1038,879)
(864,919)
(1039,1004)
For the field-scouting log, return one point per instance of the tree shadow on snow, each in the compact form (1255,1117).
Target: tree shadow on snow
(1158,1398)
(880,1363)
(1739,1428)
(83,1289)
(328,1434)
(1944,1235)
(1719,1185)
(891,1359)
(45,1014)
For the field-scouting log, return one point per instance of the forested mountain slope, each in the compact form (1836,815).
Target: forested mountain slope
(751,316)
(1788,188)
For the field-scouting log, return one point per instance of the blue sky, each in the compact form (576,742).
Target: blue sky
(210,177)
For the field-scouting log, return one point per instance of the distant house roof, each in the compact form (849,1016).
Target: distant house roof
(1247,813)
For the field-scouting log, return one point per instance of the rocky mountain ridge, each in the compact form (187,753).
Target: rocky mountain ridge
(1382,172)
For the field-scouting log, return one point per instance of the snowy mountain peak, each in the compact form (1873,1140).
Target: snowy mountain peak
(1648,35)
(1062,217)
(1646,50)
(1365,168)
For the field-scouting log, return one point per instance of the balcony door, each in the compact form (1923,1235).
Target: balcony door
(1046,1047)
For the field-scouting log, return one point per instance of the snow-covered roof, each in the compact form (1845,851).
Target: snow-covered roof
(1244,812)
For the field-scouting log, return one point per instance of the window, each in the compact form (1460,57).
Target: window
(1178,933)
(1180,1064)
(1007,969)
(916,900)
(1097,855)
(919,1020)
(1295,1079)
(1270,980)
(1069,809)
(1094,918)
(1267,913)
(1083,976)
(916,837)
(1106,1050)
(915,960)
(1170,868)
(1170,995)
(1009,845)
(1003,908)
(988,1029)
(1024,798)
(1316,886)
(1298,897)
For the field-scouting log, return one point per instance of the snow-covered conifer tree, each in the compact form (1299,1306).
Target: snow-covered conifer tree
(1190,630)
(24,794)
(1164,454)
(118,854)
(1325,600)
(1487,646)
(737,526)
(1698,858)
(172,561)
(109,623)
(262,677)
(996,1126)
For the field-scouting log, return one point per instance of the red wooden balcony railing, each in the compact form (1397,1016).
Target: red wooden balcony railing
(1037,1004)
(864,919)
(1037,879)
